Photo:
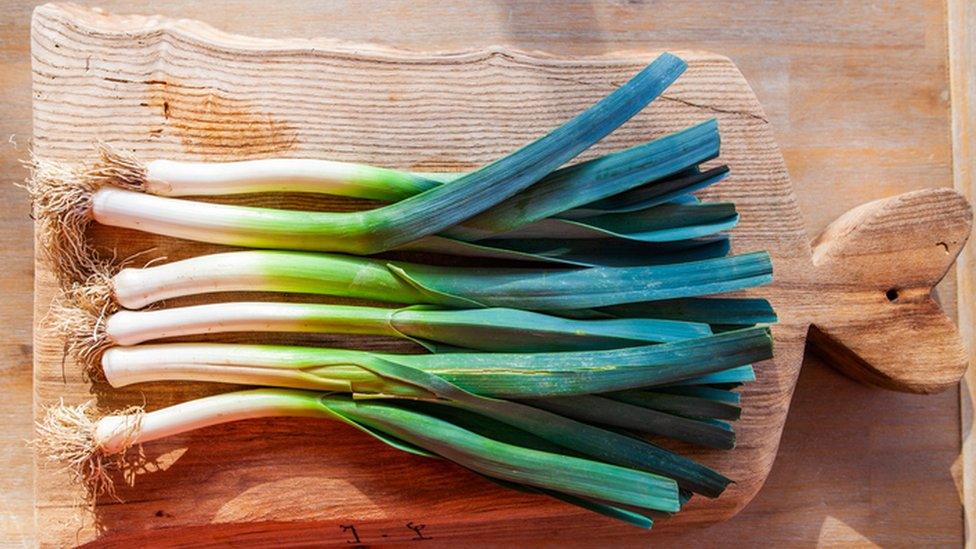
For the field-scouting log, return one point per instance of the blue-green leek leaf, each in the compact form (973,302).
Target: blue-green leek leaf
(663,223)
(445,206)
(598,443)
(598,287)
(733,376)
(723,311)
(696,402)
(594,180)
(590,252)
(675,190)
(571,475)
(644,419)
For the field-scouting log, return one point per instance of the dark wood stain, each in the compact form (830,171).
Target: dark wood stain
(212,124)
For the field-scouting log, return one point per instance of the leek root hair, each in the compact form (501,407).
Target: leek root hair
(96,293)
(82,326)
(116,167)
(61,195)
(66,435)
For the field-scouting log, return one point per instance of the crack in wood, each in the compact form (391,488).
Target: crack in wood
(610,86)
(711,108)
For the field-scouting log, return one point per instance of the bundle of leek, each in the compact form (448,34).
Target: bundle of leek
(545,377)
(451,405)
(536,377)
(72,435)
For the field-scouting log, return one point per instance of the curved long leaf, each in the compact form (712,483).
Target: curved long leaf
(602,252)
(644,419)
(566,474)
(597,179)
(675,190)
(514,330)
(721,311)
(598,287)
(602,444)
(447,205)
(556,374)
(664,223)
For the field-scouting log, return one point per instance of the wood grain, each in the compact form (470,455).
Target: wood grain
(16,277)
(962,52)
(883,326)
(198,93)
(855,119)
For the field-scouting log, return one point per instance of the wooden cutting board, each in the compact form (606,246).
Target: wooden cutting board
(181,89)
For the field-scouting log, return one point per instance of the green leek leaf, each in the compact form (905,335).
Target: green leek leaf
(601,444)
(583,183)
(619,513)
(722,311)
(591,252)
(697,403)
(502,375)
(710,393)
(514,330)
(664,223)
(447,205)
(643,419)
(597,287)
(674,190)
(575,476)
(732,376)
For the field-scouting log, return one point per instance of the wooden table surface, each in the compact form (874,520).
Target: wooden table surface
(858,95)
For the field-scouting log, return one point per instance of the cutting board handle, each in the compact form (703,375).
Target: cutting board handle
(876,318)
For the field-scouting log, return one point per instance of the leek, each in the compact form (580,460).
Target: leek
(402,282)
(65,209)
(652,167)
(91,443)
(494,329)
(502,375)
(560,190)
